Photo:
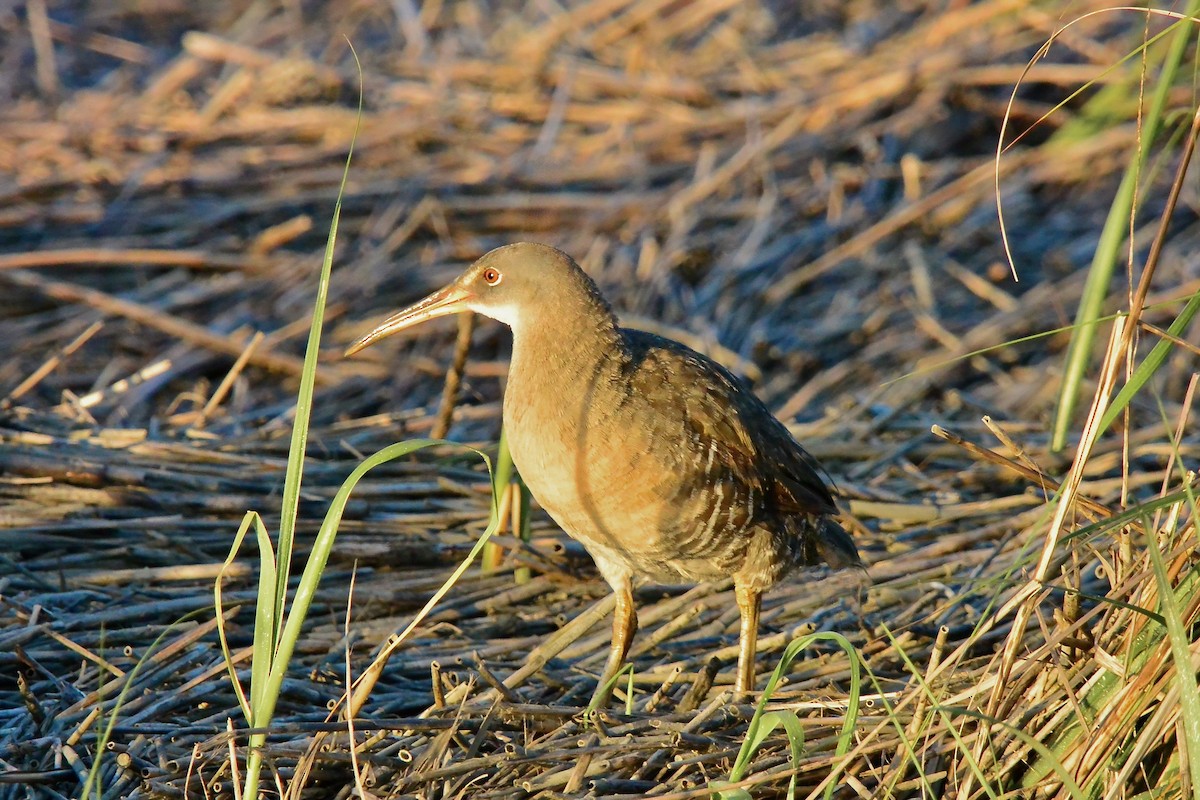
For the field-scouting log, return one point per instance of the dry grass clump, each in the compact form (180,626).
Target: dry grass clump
(806,193)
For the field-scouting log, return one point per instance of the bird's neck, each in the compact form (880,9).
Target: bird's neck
(551,355)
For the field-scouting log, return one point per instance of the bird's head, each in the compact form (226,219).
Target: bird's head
(511,284)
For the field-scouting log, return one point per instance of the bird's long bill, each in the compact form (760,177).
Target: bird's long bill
(450,300)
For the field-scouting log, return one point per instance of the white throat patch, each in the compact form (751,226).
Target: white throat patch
(508,313)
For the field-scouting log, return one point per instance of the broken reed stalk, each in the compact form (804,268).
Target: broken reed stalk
(462,347)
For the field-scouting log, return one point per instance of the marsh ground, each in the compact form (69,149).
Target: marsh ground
(807,192)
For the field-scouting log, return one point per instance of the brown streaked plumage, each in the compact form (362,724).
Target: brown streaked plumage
(652,456)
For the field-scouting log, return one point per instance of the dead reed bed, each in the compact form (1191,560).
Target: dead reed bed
(804,191)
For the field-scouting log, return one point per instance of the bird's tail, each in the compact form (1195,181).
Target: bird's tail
(836,546)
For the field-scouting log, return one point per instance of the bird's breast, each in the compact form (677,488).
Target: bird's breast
(593,472)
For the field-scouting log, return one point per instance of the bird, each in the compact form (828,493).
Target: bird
(658,460)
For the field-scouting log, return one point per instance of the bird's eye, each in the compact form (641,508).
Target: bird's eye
(492,276)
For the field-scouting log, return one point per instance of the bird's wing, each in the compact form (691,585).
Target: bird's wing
(732,439)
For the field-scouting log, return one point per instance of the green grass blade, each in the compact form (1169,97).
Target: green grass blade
(1064,775)
(1127,516)
(760,729)
(754,734)
(759,726)
(1146,370)
(523,574)
(506,473)
(266,597)
(1108,249)
(795,734)
(310,579)
(1180,642)
(504,462)
(504,476)
(263,706)
(846,737)
(608,687)
(964,747)
(1104,686)
(296,450)
(366,681)
(265,621)
(1095,290)
(105,736)
(995,348)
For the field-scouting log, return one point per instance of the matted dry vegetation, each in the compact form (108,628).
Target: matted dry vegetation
(804,191)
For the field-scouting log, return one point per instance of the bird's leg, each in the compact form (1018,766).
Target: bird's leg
(624,627)
(749,601)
